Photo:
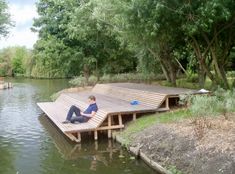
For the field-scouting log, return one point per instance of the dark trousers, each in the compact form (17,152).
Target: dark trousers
(79,117)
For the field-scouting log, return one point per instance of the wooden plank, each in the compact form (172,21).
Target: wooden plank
(148,98)
(112,127)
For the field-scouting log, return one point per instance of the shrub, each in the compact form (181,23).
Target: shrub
(78,81)
(204,105)
(92,80)
(108,78)
(193,78)
(231,74)
(221,102)
(227,101)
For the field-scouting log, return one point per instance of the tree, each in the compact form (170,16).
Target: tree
(5,22)
(16,61)
(143,23)
(165,27)
(72,39)
(210,29)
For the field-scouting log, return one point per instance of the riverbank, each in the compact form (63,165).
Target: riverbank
(175,145)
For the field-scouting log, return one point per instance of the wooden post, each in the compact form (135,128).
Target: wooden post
(110,149)
(109,125)
(79,137)
(112,120)
(167,103)
(96,135)
(96,146)
(119,119)
(134,116)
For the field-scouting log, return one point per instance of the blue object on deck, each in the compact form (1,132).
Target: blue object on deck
(135,102)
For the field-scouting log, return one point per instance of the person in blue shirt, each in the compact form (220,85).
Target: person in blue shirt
(82,117)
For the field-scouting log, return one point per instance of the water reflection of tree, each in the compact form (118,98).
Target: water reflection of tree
(6,158)
(85,156)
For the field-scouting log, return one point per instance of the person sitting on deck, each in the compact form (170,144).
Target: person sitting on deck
(82,117)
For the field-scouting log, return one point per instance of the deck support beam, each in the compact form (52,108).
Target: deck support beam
(119,119)
(109,125)
(79,137)
(167,103)
(96,135)
(96,145)
(73,137)
(134,116)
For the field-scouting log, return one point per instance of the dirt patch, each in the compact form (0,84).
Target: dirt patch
(176,145)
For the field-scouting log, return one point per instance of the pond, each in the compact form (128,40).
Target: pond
(31,144)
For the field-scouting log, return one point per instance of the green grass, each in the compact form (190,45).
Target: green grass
(183,83)
(147,121)
(174,170)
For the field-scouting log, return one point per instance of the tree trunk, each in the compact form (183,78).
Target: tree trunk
(165,72)
(168,64)
(86,73)
(219,70)
(201,59)
(201,77)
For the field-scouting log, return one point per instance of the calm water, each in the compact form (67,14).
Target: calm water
(31,144)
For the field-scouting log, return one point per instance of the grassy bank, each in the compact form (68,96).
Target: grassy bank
(200,109)
(148,121)
(177,139)
(173,141)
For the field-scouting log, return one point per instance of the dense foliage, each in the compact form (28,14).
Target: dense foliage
(73,42)
(16,61)
(200,33)
(5,22)
(106,36)
(99,37)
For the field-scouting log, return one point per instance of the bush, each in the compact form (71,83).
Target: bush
(78,81)
(231,74)
(220,103)
(202,105)
(81,81)
(193,78)
(108,78)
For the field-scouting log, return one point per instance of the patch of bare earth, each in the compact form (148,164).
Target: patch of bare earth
(177,145)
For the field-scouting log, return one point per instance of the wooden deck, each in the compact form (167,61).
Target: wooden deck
(114,105)
(5,85)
